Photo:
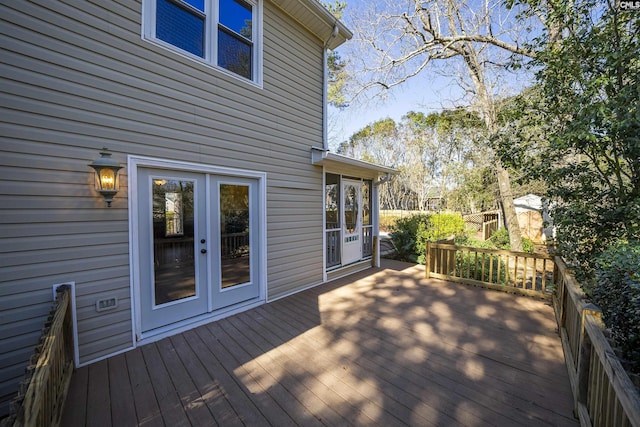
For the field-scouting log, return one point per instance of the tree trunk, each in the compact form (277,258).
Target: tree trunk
(511,217)
(488,107)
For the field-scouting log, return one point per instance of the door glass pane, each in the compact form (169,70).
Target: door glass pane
(351,208)
(173,240)
(234,235)
(332,201)
(366,203)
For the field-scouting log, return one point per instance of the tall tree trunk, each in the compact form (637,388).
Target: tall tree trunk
(488,108)
(511,217)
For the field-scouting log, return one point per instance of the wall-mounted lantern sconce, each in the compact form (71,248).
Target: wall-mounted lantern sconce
(106,175)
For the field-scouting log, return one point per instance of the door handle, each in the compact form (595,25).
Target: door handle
(203,251)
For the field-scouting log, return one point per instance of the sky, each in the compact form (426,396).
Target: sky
(428,92)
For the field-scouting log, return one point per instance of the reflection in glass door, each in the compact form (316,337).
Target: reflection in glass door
(236,202)
(173,240)
(235,237)
(172,246)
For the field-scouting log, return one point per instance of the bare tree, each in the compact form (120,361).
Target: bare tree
(473,41)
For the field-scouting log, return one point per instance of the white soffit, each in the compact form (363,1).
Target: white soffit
(316,18)
(321,157)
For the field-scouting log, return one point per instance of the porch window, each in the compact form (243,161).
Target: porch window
(332,218)
(367,224)
(219,32)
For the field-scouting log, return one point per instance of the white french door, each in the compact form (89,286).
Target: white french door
(351,221)
(198,244)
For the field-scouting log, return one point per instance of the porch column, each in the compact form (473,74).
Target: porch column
(375,221)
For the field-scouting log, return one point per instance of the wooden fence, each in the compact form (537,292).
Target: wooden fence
(41,398)
(489,227)
(603,393)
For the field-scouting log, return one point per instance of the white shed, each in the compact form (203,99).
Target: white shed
(533,215)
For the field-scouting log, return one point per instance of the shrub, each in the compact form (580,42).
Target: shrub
(443,225)
(528,246)
(411,234)
(387,222)
(405,233)
(501,239)
(472,242)
(617,293)
(439,226)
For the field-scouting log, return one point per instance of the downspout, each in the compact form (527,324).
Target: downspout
(382,180)
(325,83)
(325,139)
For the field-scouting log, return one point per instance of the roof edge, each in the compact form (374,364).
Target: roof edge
(321,14)
(321,157)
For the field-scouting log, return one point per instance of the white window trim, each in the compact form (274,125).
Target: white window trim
(210,55)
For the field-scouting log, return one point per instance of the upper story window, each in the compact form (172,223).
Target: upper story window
(220,32)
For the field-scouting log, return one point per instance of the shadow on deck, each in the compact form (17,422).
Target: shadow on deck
(381,347)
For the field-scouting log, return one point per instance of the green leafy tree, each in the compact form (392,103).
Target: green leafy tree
(337,67)
(439,155)
(587,148)
(468,41)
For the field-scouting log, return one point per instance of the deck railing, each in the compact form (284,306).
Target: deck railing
(333,248)
(233,243)
(43,392)
(603,392)
(517,272)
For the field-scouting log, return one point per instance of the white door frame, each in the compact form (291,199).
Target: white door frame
(355,238)
(133,163)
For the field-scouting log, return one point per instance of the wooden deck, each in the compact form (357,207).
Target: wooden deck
(383,347)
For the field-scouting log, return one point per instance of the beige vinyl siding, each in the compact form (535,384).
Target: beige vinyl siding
(77,76)
(294,256)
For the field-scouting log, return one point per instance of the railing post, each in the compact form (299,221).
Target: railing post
(584,357)
(374,252)
(427,261)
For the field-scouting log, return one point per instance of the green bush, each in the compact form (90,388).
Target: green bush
(617,293)
(528,246)
(405,234)
(472,242)
(387,222)
(411,234)
(500,238)
(439,226)
(443,225)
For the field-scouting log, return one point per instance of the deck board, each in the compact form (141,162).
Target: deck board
(144,398)
(383,347)
(122,406)
(98,398)
(211,393)
(173,413)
